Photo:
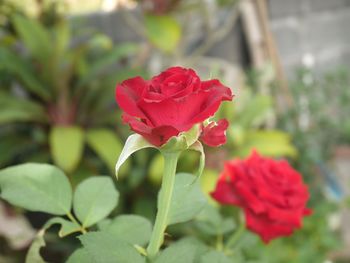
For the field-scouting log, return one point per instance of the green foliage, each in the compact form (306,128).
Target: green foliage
(99,66)
(106,248)
(163,31)
(66,146)
(62,87)
(187,200)
(247,131)
(134,143)
(132,229)
(106,145)
(186,250)
(270,143)
(67,227)
(214,257)
(320,118)
(80,256)
(94,199)
(34,36)
(36,187)
(256,109)
(20,110)
(191,250)
(210,222)
(33,255)
(20,68)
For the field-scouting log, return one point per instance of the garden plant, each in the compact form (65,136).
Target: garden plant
(173,113)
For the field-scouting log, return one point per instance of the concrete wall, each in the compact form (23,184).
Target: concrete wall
(312,30)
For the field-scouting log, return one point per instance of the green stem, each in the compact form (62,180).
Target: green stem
(71,218)
(164,201)
(236,236)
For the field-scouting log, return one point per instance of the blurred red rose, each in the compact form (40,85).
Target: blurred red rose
(169,103)
(271,193)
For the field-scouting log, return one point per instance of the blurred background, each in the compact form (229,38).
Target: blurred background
(288,62)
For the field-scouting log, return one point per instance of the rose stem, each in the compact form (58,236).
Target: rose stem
(164,201)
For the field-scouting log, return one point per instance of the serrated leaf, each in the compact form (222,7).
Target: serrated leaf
(80,255)
(67,227)
(66,144)
(187,200)
(132,229)
(163,31)
(106,248)
(134,143)
(36,187)
(33,255)
(94,199)
(106,145)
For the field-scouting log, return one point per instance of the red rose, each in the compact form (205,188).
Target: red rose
(271,193)
(169,103)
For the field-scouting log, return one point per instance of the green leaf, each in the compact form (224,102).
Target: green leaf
(36,187)
(187,200)
(106,145)
(214,257)
(163,31)
(106,248)
(67,144)
(62,38)
(132,229)
(210,214)
(23,71)
(34,36)
(208,182)
(270,142)
(33,255)
(186,250)
(210,222)
(94,199)
(80,255)
(67,227)
(14,109)
(134,143)
(106,61)
(255,111)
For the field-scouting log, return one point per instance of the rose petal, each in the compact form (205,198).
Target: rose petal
(157,136)
(128,93)
(224,192)
(214,134)
(267,229)
(215,93)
